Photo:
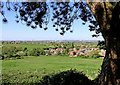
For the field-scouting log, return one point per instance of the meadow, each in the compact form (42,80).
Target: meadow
(34,68)
(29,46)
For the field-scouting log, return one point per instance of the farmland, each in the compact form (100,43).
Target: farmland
(30,61)
(46,65)
(28,45)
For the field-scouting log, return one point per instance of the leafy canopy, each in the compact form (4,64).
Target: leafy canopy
(37,14)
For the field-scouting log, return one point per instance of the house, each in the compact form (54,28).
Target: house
(96,49)
(46,50)
(81,53)
(74,49)
(102,52)
(60,49)
(73,53)
(70,49)
(53,51)
(62,46)
(83,50)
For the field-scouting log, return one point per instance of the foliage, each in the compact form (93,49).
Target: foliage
(77,48)
(10,51)
(72,45)
(94,54)
(82,56)
(13,50)
(69,77)
(63,14)
(58,52)
(17,48)
(59,46)
(101,44)
(66,50)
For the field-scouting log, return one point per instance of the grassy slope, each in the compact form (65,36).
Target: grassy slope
(50,64)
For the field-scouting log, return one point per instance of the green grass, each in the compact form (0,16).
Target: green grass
(29,46)
(51,64)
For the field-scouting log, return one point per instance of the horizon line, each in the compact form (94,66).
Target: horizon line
(51,40)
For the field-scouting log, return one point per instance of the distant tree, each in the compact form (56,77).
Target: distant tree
(20,53)
(49,53)
(59,46)
(17,48)
(33,52)
(72,45)
(66,50)
(36,52)
(83,47)
(26,53)
(9,51)
(42,52)
(77,48)
(64,46)
(94,54)
(24,49)
(58,52)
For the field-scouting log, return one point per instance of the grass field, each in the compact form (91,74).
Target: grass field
(29,46)
(44,65)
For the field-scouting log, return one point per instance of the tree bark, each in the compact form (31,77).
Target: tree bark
(108,18)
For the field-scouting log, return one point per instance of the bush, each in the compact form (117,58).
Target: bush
(17,48)
(69,77)
(94,54)
(82,56)
(11,52)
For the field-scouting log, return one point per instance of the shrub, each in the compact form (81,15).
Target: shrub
(82,56)
(11,52)
(58,52)
(94,54)
(8,50)
(69,77)
(17,48)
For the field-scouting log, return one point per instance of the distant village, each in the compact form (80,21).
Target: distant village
(72,49)
(74,52)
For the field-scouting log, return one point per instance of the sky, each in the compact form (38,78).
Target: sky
(18,31)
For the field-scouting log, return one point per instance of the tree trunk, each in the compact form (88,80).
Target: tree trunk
(110,72)
(109,21)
